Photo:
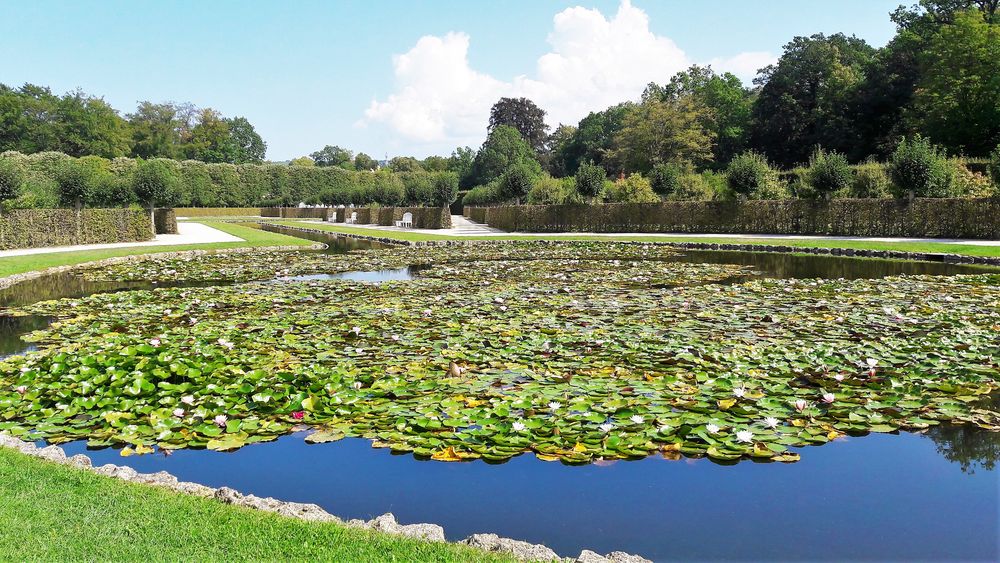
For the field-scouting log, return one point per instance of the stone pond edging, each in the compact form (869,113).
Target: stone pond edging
(14,279)
(385,523)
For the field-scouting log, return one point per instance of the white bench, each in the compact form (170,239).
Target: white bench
(406,221)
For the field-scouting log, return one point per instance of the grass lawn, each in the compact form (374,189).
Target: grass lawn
(52,512)
(932,247)
(251,238)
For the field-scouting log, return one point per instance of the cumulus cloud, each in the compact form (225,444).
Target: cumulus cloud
(594,62)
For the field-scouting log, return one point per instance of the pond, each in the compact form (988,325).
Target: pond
(928,493)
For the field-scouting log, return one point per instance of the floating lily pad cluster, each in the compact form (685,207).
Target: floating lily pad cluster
(572,352)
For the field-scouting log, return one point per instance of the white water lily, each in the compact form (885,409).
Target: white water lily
(154,341)
(221,420)
(427,312)
(828,398)
(744,436)
(503,307)
(739,392)
(555,405)
(225,343)
(179,413)
(771,422)
(356,330)
(357,385)
(188,399)
(518,426)
(606,427)
(712,428)
(839,377)
(637,419)
(395,337)
(872,362)
(664,429)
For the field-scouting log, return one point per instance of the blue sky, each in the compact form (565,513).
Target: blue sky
(310,73)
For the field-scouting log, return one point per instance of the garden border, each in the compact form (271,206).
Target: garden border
(309,512)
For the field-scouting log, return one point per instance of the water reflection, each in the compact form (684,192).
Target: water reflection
(336,244)
(11,331)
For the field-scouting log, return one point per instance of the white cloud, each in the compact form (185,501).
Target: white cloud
(594,62)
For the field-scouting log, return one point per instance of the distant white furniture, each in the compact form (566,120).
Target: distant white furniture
(353,218)
(406,221)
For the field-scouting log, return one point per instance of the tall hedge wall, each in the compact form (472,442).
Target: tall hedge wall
(423,217)
(938,218)
(31,228)
(217,211)
(202,185)
(165,221)
(297,212)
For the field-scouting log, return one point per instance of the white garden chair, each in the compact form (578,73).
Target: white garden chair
(353,218)
(406,221)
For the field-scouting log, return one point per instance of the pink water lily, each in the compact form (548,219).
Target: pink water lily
(829,398)
(188,399)
(298,415)
(225,344)
(22,390)
(154,341)
(801,404)
(178,413)
(221,420)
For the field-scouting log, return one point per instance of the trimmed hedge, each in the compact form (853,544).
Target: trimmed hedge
(217,211)
(297,212)
(423,217)
(165,221)
(32,228)
(921,217)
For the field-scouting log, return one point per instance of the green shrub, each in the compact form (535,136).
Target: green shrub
(445,189)
(994,166)
(920,168)
(633,189)
(692,187)
(516,182)
(482,195)
(665,179)
(155,182)
(74,181)
(590,179)
(967,183)
(829,172)
(389,189)
(870,181)
(750,175)
(547,191)
(11,177)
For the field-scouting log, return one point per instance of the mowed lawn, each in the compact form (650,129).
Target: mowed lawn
(50,512)
(251,238)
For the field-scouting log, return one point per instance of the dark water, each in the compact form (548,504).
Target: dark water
(878,497)
(932,496)
(336,244)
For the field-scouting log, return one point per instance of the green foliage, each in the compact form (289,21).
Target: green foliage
(829,172)
(631,189)
(445,189)
(994,166)
(75,182)
(590,179)
(665,179)
(967,183)
(11,177)
(248,145)
(693,187)
(155,182)
(30,228)
(957,95)
(593,140)
(671,131)
(521,114)
(920,168)
(503,149)
(332,155)
(482,195)
(302,161)
(516,182)
(364,162)
(553,191)
(751,175)
(405,164)
(871,181)
(389,189)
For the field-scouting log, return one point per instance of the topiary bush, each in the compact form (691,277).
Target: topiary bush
(870,181)
(919,168)
(632,189)
(11,177)
(829,172)
(445,189)
(590,179)
(750,175)
(665,179)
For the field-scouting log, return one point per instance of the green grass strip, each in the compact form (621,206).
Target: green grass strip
(51,512)
(251,238)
